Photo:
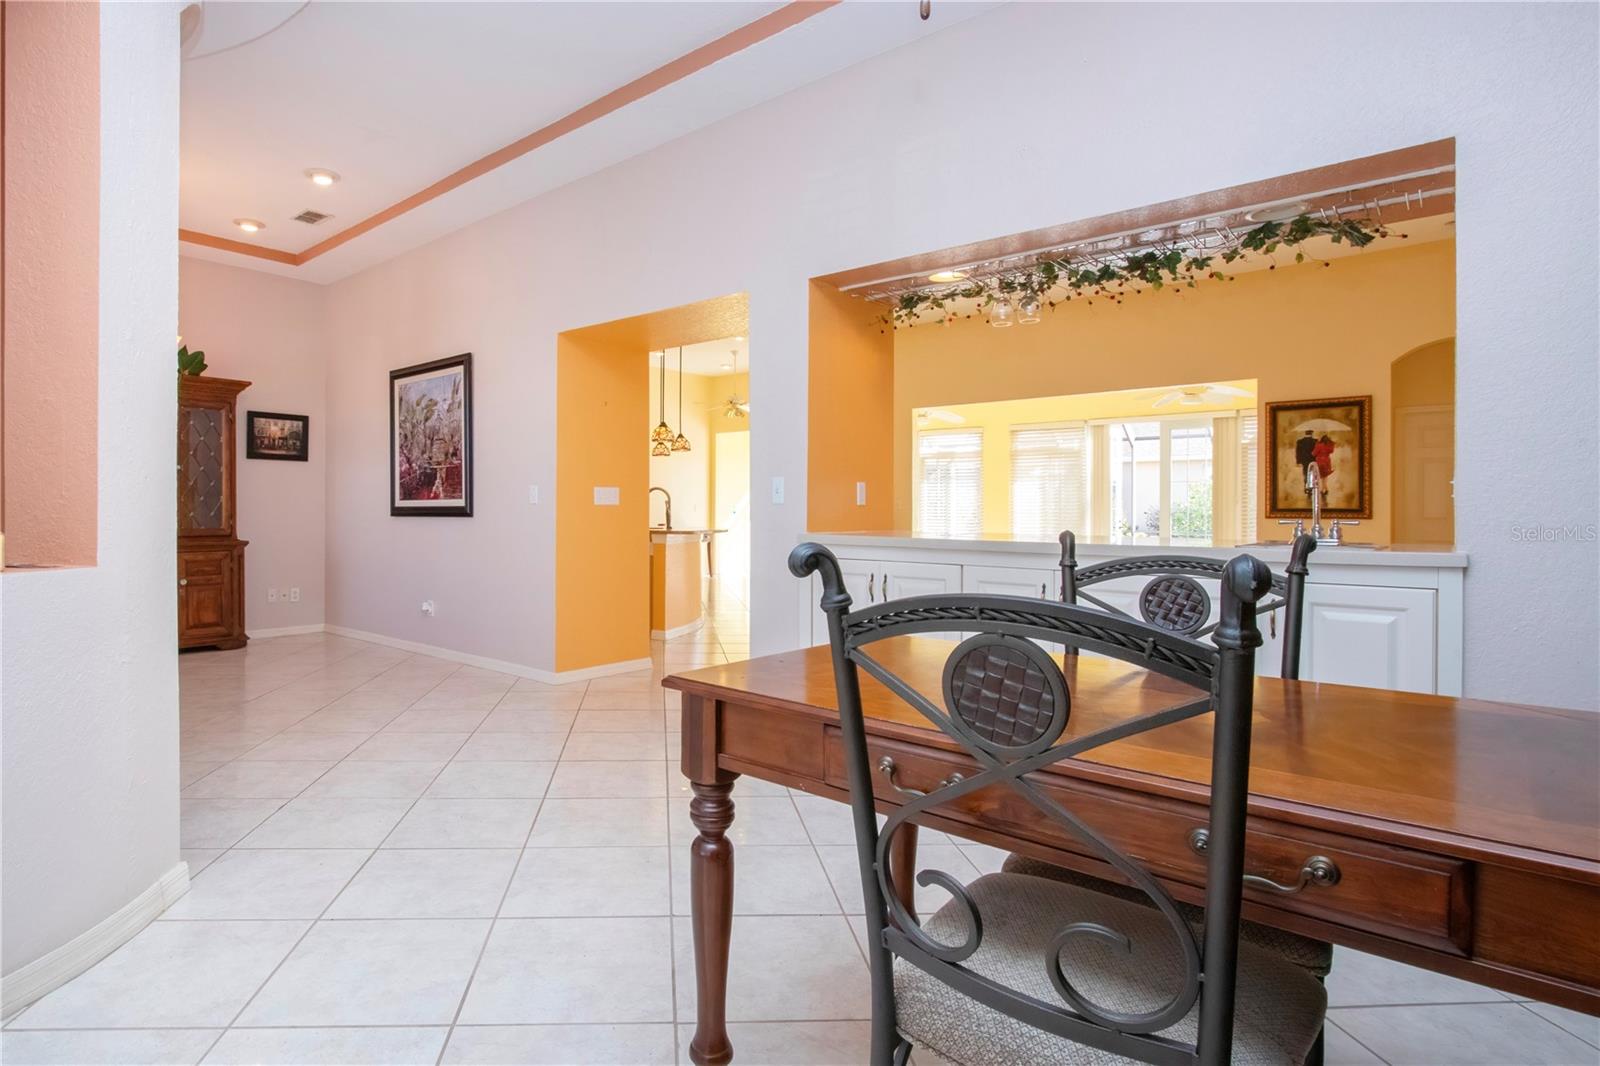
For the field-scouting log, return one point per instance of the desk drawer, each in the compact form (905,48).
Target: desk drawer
(1386,890)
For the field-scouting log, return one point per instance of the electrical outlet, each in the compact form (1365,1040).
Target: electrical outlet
(533,493)
(272,595)
(294,594)
(427,608)
(607,496)
(777,490)
(861,494)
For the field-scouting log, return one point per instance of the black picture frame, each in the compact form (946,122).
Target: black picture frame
(431,477)
(258,443)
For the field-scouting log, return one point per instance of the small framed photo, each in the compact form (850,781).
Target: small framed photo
(430,438)
(1334,435)
(270,435)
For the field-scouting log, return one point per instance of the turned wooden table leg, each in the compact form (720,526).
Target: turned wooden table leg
(903,866)
(711,907)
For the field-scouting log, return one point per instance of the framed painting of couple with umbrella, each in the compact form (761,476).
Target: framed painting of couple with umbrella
(1336,436)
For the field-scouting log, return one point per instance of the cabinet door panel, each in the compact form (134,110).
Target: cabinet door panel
(1032,582)
(1370,636)
(205,594)
(862,579)
(922,579)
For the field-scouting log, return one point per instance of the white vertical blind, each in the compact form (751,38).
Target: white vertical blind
(1049,481)
(1249,477)
(950,482)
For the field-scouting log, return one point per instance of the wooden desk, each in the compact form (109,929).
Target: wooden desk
(1467,833)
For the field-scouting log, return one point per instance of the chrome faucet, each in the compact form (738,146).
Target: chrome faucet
(1335,535)
(668,495)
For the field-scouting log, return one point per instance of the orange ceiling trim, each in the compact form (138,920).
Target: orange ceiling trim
(769,25)
(229,245)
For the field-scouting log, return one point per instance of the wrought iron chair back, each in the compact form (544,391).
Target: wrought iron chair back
(1173,600)
(1007,705)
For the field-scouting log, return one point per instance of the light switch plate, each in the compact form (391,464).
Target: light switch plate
(607,496)
(272,595)
(777,490)
(533,493)
(861,494)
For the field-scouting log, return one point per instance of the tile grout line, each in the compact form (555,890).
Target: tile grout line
(313,923)
(241,756)
(1524,1005)
(494,919)
(1328,1020)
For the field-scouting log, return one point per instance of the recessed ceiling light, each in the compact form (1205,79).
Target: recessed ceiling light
(1277,212)
(249,225)
(322,177)
(947,275)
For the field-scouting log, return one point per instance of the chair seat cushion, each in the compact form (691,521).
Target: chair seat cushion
(1278,1011)
(1315,956)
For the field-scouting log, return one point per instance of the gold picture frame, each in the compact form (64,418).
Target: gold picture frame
(1336,434)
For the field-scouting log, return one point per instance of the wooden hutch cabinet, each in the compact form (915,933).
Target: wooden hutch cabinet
(210,553)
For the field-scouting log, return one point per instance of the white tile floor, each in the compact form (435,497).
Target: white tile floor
(399,859)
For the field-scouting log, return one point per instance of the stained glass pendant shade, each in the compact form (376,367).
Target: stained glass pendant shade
(680,443)
(661,437)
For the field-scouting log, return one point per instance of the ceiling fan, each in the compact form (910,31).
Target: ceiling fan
(733,406)
(1195,395)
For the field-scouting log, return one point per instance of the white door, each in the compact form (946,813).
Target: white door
(1370,636)
(1424,469)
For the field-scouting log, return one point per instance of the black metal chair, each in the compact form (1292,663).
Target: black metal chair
(1018,969)
(1175,601)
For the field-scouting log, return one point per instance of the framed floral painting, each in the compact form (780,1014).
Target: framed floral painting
(430,438)
(1334,435)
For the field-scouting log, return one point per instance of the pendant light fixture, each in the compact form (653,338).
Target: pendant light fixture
(680,443)
(661,436)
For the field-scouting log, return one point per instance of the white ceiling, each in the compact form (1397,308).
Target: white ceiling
(710,358)
(395,96)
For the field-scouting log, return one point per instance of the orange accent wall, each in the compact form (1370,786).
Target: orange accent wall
(850,434)
(603,552)
(51,225)
(674,583)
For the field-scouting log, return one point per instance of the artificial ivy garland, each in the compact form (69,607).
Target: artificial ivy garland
(1055,280)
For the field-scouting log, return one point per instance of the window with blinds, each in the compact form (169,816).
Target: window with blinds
(1049,481)
(1249,476)
(950,482)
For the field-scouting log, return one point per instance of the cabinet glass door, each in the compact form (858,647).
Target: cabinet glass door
(202,469)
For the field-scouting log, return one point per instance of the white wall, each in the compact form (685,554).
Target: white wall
(88,671)
(268,331)
(898,156)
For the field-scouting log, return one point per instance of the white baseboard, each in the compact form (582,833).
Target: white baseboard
(283,631)
(668,634)
(533,673)
(51,971)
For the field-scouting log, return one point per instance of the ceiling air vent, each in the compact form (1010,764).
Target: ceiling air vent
(311,218)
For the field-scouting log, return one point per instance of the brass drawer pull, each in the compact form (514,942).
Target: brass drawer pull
(887,767)
(1317,870)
